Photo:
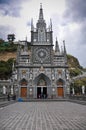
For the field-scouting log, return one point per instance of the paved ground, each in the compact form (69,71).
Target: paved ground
(43,116)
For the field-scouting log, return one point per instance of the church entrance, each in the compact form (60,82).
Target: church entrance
(38,92)
(42,82)
(60,92)
(42,92)
(23,92)
(41,89)
(23,83)
(60,89)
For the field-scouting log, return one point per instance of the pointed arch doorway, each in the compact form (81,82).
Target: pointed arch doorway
(60,88)
(42,82)
(23,84)
(41,88)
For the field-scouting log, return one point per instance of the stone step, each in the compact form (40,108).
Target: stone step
(43,100)
(6,103)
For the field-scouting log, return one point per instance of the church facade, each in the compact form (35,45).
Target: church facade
(41,72)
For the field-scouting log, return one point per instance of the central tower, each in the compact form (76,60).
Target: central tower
(41,41)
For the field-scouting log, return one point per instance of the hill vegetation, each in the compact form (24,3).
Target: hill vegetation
(6,69)
(74,66)
(75,69)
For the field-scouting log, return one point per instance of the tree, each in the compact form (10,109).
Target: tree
(6,69)
(1,41)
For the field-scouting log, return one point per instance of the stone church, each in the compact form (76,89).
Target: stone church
(41,72)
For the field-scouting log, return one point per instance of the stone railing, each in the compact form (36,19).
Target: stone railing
(3,98)
(78,97)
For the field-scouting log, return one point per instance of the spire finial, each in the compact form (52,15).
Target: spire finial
(40,5)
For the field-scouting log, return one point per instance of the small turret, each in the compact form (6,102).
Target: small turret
(57,46)
(65,53)
(64,47)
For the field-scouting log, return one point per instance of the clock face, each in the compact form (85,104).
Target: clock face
(41,55)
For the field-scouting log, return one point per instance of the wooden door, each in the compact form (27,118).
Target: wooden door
(60,91)
(24,92)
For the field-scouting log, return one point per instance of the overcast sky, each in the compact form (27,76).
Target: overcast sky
(68,19)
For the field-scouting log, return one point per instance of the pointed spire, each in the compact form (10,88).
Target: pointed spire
(64,47)
(32,27)
(50,25)
(41,12)
(65,53)
(57,46)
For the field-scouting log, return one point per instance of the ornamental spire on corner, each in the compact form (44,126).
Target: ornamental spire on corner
(41,12)
(57,46)
(64,47)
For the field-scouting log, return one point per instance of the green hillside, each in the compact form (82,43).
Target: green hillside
(74,66)
(75,69)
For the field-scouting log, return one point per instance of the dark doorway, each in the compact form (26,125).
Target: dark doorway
(44,92)
(39,92)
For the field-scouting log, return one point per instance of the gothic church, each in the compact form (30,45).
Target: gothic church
(41,72)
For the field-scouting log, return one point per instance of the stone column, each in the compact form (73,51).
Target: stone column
(35,91)
(49,91)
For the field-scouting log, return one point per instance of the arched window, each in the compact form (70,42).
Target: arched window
(23,82)
(60,82)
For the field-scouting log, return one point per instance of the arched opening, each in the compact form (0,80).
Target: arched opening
(42,82)
(60,88)
(23,84)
